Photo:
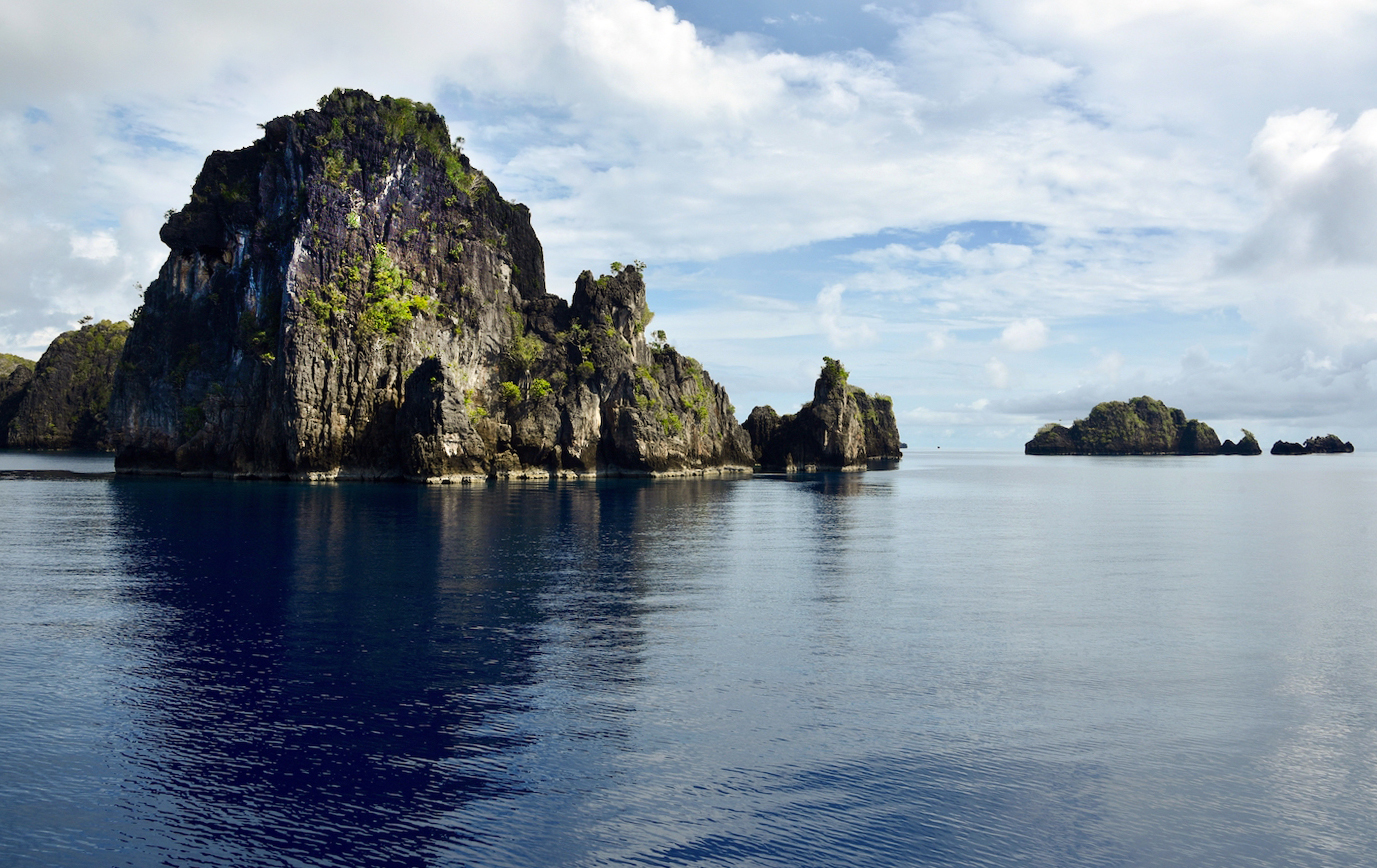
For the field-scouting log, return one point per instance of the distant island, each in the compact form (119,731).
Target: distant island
(1141,426)
(1329,444)
(349,297)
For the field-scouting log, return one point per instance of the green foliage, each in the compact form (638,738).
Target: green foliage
(193,420)
(353,220)
(672,424)
(540,388)
(390,302)
(471,406)
(660,342)
(254,336)
(187,361)
(327,303)
(833,374)
(509,392)
(585,369)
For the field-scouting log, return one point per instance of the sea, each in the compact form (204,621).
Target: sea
(976,659)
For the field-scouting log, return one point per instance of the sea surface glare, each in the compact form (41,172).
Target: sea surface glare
(976,660)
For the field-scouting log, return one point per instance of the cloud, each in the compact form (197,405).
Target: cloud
(1321,184)
(1025,335)
(997,372)
(841,330)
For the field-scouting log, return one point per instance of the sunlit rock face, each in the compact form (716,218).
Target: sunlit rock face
(349,297)
(842,428)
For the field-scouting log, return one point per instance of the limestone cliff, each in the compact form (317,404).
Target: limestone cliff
(61,403)
(1142,426)
(350,298)
(842,428)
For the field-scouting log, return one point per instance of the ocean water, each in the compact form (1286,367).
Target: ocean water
(978,659)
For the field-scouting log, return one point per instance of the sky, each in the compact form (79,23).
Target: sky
(999,212)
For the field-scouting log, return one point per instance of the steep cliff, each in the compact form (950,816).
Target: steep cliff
(349,297)
(840,429)
(1142,426)
(61,404)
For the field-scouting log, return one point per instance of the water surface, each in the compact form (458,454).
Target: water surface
(980,659)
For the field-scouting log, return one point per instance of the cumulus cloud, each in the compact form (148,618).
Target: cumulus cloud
(1025,335)
(1321,184)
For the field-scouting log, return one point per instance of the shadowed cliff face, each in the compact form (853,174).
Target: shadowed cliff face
(350,297)
(1142,426)
(840,429)
(61,402)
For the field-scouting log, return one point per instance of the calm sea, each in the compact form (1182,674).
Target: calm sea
(979,659)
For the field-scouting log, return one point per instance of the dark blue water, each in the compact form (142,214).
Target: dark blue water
(976,660)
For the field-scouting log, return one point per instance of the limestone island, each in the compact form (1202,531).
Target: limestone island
(1329,444)
(349,298)
(842,428)
(1142,426)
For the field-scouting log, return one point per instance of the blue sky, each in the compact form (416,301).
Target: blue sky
(999,212)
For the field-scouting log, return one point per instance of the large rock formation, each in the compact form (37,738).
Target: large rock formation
(349,297)
(1142,426)
(842,428)
(61,403)
(1329,444)
(1248,445)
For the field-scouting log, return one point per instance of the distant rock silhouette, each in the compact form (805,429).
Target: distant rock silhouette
(1329,444)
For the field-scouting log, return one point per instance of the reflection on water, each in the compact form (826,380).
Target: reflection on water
(977,660)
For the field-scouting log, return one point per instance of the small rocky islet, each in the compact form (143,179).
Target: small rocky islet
(349,298)
(1147,426)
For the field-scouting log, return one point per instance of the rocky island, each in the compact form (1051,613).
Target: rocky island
(842,428)
(1329,444)
(349,298)
(60,402)
(1142,426)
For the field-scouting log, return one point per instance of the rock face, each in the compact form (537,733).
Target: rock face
(840,429)
(1142,426)
(1328,444)
(1248,445)
(349,298)
(61,403)
(9,362)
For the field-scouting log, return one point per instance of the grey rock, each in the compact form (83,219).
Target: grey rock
(350,298)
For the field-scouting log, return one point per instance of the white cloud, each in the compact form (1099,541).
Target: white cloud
(997,372)
(841,330)
(98,246)
(1025,335)
(1321,185)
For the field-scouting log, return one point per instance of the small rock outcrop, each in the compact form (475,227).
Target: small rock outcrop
(61,403)
(1142,426)
(349,297)
(1247,445)
(842,428)
(1329,444)
(9,362)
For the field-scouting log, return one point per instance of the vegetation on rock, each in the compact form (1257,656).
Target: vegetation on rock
(842,428)
(62,402)
(349,296)
(1328,444)
(1142,426)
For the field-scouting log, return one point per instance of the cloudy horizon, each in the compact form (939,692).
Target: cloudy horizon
(998,212)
